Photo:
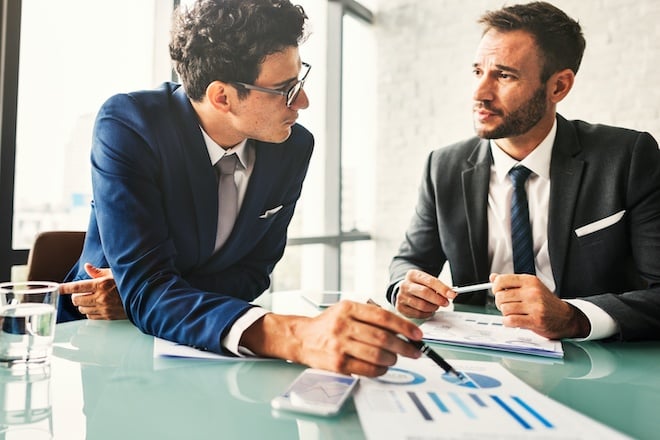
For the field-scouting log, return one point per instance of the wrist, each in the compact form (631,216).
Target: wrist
(274,336)
(581,325)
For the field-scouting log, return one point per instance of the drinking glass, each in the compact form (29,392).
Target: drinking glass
(27,322)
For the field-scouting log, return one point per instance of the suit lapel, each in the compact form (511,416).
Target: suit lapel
(475,181)
(565,177)
(203,181)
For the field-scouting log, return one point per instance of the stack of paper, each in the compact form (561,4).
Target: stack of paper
(487,331)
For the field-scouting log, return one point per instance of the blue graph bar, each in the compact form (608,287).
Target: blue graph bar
(533,412)
(511,412)
(478,400)
(468,412)
(420,406)
(436,399)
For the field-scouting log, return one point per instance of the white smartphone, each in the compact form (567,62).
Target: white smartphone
(322,299)
(316,392)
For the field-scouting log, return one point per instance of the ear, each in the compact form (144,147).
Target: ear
(219,95)
(560,84)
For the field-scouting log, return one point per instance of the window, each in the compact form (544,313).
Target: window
(67,67)
(328,245)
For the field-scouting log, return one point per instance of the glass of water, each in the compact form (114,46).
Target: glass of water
(27,322)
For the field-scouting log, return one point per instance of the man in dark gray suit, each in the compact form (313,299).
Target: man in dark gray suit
(593,198)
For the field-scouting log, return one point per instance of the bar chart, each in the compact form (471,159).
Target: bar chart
(416,399)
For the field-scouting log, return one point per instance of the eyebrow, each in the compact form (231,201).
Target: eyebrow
(285,82)
(502,68)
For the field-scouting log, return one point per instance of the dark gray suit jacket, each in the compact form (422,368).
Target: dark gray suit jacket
(596,171)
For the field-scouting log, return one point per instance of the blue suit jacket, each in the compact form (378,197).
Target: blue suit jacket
(155,211)
(596,171)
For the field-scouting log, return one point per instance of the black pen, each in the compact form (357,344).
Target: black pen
(428,351)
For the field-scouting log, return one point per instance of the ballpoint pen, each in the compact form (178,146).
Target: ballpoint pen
(472,288)
(428,351)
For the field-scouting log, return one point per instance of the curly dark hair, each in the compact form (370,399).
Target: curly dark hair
(558,36)
(228,40)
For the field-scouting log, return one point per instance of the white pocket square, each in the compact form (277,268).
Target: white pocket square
(600,224)
(271,212)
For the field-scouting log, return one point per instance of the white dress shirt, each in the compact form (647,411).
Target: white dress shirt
(246,157)
(538,195)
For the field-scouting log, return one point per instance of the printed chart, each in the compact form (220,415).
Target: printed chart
(416,399)
(487,331)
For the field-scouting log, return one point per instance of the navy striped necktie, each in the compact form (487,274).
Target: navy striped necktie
(521,230)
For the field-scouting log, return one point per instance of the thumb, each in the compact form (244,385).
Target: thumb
(96,272)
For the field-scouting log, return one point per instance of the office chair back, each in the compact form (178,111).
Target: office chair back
(53,254)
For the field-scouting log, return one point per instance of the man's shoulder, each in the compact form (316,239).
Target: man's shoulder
(588,130)
(157,97)
(462,150)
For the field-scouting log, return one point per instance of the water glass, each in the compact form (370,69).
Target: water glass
(27,322)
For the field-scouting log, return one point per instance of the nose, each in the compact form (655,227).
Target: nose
(301,101)
(483,89)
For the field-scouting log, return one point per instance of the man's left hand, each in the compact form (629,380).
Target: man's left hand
(526,302)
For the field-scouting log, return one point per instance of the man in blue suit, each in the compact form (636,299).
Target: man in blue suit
(157,221)
(593,198)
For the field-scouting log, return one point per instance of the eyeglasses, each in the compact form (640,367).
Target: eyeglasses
(291,93)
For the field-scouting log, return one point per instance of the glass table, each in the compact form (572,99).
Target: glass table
(104,383)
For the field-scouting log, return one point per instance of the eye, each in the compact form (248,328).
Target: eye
(476,72)
(505,75)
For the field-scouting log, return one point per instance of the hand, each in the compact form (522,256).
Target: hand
(420,295)
(98,297)
(349,338)
(526,302)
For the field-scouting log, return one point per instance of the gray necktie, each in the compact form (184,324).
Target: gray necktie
(227,198)
(521,230)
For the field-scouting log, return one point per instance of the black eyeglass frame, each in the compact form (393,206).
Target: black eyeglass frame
(290,94)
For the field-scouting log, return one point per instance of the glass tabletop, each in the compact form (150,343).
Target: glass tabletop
(104,383)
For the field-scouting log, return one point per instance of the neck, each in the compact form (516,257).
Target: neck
(218,129)
(519,147)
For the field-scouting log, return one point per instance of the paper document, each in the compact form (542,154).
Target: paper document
(415,399)
(487,331)
(164,348)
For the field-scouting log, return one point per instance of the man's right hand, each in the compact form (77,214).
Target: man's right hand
(96,298)
(349,338)
(421,294)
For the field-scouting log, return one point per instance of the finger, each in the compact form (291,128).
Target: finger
(85,301)
(384,319)
(96,272)
(351,365)
(86,310)
(411,312)
(429,281)
(378,345)
(84,286)
(420,298)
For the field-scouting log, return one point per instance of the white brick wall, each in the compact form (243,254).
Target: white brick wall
(425,51)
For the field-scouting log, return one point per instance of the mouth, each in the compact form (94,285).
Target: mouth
(291,121)
(483,114)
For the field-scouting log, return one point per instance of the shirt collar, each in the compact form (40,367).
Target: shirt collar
(538,160)
(216,152)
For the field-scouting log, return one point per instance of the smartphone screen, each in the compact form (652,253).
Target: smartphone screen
(317,392)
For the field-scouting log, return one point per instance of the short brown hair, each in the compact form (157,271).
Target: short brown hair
(558,36)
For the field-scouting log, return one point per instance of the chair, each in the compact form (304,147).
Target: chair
(53,254)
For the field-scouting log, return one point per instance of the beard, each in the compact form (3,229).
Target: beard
(519,121)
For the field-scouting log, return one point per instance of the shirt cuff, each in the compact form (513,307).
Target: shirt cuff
(602,324)
(233,337)
(395,293)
